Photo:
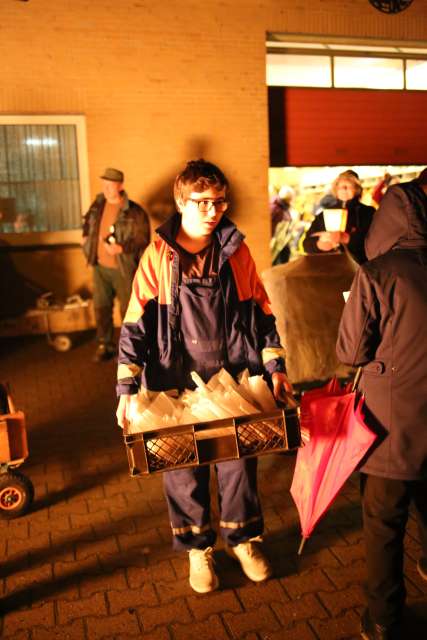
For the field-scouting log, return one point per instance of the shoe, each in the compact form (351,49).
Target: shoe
(104,352)
(253,562)
(422,568)
(202,574)
(370,630)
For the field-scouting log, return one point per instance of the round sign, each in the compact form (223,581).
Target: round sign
(390,6)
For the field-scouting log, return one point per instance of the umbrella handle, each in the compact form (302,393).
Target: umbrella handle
(356,379)
(301,547)
(286,399)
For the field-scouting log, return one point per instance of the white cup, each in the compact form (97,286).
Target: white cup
(335,219)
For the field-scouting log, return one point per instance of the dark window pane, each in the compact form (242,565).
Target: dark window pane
(39,178)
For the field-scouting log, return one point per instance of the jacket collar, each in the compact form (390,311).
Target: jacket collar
(100,199)
(227,234)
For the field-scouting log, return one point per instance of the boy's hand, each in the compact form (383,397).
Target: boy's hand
(285,395)
(282,388)
(122,412)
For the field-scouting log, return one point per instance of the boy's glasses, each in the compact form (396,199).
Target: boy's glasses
(206,205)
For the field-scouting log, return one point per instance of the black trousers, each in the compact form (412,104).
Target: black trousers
(385,513)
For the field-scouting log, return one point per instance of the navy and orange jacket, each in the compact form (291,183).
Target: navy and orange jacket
(150,347)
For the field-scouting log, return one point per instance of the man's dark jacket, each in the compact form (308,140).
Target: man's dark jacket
(359,218)
(131,230)
(384,329)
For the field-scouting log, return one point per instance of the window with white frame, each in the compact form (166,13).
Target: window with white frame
(44,183)
(294,61)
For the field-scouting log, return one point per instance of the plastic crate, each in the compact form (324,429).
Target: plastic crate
(201,443)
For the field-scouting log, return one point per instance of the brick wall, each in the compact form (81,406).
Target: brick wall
(162,82)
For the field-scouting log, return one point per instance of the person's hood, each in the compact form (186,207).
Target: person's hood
(400,221)
(228,235)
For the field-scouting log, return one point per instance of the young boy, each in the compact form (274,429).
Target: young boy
(198,305)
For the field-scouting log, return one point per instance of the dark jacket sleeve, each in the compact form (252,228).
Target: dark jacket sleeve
(310,242)
(86,225)
(272,352)
(90,231)
(358,334)
(134,342)
(363,218)
(136,242)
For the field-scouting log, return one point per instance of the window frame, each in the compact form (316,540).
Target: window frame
(67,237)
(298,44)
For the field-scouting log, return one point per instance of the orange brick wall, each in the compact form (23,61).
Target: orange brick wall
(160,82)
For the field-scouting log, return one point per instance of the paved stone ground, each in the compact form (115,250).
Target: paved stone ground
(93,559)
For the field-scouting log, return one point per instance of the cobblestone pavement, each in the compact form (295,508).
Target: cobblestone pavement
(93,558)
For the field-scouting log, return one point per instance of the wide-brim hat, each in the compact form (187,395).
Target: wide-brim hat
(115,175)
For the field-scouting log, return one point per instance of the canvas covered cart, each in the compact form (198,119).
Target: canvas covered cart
(56,321)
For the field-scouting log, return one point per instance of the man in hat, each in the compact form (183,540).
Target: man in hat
(116,231)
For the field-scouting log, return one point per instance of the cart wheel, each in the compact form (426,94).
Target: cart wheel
(61,343)
(16,494)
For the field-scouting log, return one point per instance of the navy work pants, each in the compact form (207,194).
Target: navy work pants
(188,498)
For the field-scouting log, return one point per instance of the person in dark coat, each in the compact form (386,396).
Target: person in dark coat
(384,330)
(347,190)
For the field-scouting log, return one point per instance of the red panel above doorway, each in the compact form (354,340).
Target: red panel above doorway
(353,126)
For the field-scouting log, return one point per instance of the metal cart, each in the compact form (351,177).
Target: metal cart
(56,321)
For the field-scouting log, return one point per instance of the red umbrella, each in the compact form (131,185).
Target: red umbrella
(339,438)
